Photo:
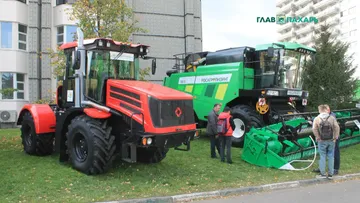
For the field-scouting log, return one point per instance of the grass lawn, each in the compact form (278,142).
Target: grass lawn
(27,178)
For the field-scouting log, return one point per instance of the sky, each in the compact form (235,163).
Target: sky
(232,23)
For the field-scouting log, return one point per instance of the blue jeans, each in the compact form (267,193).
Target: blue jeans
(326,150)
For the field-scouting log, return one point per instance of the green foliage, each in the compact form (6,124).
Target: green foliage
(58,62)
(7,91)
(104,18)
(143,72)
(328,77)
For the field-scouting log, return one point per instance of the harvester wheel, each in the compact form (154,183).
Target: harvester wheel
(90,145)
(151,155)
(34,144)
(244,117)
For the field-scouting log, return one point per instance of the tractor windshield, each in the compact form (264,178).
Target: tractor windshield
(291,68)
(107,64)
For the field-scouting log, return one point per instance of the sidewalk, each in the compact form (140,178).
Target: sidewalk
(238,191)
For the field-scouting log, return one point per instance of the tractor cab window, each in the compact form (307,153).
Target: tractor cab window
(102,65)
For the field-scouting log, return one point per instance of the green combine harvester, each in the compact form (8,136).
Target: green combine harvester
(263,86)
(259,84)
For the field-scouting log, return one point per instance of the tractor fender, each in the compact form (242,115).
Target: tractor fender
(43,115)
(96,113)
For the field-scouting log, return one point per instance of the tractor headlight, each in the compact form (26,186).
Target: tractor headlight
(149,141)
(147,50)
(101,43)
(141,49)
(272,93)
(108,44)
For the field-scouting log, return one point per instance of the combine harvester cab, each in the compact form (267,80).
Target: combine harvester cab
(284,144)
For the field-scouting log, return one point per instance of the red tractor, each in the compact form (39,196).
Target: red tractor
(103,111)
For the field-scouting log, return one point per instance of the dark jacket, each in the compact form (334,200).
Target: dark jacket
(211,128)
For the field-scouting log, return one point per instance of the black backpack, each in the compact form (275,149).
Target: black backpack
(326,129)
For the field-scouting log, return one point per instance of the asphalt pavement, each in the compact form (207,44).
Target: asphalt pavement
(341,192)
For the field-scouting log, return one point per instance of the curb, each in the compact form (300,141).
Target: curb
(236,191)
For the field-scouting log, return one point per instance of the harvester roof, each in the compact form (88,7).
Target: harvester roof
(227,55)
(287,45)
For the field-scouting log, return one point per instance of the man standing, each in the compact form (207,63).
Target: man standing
(225,138)
(211,130)
(326,131)
(337,150)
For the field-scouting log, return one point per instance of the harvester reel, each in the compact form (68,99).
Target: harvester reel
(262,109)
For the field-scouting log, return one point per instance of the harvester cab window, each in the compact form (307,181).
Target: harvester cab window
(293,68)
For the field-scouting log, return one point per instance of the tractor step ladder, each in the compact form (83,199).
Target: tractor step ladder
(129,152)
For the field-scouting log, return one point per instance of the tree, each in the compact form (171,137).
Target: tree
(328,76)
(99,18)
(105,18)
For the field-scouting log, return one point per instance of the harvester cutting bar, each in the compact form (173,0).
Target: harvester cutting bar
(279,145)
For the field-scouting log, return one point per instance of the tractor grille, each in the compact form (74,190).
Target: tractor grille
(166,113)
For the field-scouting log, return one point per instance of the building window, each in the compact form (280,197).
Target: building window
(60,2)
(353,33)
(352,10)
(353,21)
(70,33)
(66,33)
(22,36)
(60,35)
(6,34)
(13,81)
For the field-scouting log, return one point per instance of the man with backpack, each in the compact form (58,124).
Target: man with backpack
(337,150)
(326,130)
(225,128)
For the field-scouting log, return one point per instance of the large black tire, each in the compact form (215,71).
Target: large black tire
(34,144)
(91,146)
(150,155)
(245,118)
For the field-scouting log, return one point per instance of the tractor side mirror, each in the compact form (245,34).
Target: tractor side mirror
(76,61)
(270,52)
(153,66)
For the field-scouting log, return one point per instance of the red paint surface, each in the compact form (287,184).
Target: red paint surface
(44,117)
(95,113)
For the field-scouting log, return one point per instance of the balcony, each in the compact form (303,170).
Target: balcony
(285,36)
(285,9)
(280,2)
(285,26)
(324,3)
(303,11)
(306,40)
(328,12)
(308,28)
(334,21)
(302,2)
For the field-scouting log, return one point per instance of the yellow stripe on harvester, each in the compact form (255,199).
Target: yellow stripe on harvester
(220,93)
(189,88)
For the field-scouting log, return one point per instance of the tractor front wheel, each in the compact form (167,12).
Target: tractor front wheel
(245,118)
(91,146)
(151,155)
(34,144)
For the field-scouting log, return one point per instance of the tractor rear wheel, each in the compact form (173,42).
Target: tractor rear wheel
(91,146)
(151,155)
(245,118)
(34,144)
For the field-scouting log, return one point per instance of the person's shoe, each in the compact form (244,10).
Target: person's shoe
(321,176)
(316,170)
(230,162)
(330,176)
(214,157)
(336,172)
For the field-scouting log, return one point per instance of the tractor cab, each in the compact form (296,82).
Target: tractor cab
(105,59)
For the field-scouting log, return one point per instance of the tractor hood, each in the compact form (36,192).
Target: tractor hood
(151,89)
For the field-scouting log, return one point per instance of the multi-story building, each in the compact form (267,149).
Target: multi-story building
(31,27)
(341,15)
